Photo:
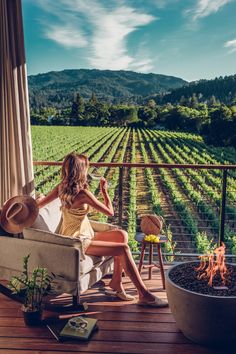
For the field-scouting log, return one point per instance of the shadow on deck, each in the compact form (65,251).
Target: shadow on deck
(123,327)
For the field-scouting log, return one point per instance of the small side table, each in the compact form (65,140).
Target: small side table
(151,264)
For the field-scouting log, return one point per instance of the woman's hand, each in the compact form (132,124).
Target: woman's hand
(103,185)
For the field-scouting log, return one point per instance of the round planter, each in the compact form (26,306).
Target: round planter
(204,319)
(32,318)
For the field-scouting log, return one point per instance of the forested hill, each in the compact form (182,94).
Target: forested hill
(57,88)
(222,89)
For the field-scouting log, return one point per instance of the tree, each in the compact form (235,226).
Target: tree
(93,100)
(37,119)
(193,102)
(98,114)
(103,117)
(60,120)
(181,117)
(171,118)
(221,123)
(212,101)
(123,115)
(182,101)
(232,137)
(42,116)
(77,111)
(203,119)
(147,115)
(151,104)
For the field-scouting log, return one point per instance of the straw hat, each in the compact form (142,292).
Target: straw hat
(151,224)
(18,212)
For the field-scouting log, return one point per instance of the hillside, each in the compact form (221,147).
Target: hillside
(222,88)
(57,88)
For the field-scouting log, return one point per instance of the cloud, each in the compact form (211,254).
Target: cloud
(109,46)
(101,28)
(162,3)
(142,66)
(204,8)
(231,45)
(68,36)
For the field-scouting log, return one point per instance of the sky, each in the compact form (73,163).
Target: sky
(191,39)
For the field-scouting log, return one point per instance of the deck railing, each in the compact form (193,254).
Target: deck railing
(227,172)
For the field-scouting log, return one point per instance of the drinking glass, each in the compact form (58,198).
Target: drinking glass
(96,175)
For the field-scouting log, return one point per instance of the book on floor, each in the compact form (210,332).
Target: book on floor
(70,329)
(79,328)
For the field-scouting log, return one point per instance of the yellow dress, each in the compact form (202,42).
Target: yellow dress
(75,223)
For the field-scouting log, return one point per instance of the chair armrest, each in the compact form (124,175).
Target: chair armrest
(62,260)
(102,226)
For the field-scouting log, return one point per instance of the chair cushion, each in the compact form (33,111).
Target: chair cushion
(90,262)
(86,264)
(33,234)
(49,217)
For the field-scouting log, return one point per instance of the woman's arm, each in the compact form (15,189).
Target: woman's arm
(48,198)
(107,200)
(88,198)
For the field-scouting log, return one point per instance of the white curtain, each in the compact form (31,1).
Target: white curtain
(16,166)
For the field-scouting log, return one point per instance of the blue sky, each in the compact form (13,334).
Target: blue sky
(191,39)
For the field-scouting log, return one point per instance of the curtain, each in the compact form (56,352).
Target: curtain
(16,166)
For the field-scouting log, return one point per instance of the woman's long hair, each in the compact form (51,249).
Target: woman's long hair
(74,177)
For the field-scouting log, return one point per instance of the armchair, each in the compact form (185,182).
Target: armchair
(60,254)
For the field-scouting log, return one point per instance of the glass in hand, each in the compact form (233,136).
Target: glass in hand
(96,175)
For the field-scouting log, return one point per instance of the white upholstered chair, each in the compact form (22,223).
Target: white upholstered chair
(59,254)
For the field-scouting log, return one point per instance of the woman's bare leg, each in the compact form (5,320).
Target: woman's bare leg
(105,248)
(118,236)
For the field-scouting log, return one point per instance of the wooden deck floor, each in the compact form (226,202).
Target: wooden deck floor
(123,328)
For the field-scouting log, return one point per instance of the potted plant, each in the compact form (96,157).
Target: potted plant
(32,288)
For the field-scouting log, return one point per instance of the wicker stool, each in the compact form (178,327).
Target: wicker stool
(149,246)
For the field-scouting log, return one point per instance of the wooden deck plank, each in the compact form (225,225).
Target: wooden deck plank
(105,347)
(103,325)
(102,335)
(106,315)
(123,328)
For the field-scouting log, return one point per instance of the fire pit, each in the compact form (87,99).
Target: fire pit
(202,298)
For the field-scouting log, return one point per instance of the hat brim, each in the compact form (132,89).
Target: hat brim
(10,226)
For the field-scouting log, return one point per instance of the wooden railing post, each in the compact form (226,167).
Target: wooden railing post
(222,207)
(120,198)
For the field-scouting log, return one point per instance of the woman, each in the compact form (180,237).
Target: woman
(76,200)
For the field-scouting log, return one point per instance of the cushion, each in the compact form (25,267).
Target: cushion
(49,217)
(33,234)
(86,264)
(90,262)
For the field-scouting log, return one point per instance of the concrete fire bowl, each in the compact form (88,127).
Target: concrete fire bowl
(204,319)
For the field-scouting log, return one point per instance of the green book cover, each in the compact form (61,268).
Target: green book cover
(75,331)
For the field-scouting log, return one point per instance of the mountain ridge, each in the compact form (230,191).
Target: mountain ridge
(54,87)
(221,88)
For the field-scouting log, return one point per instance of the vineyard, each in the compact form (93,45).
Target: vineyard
(188,199)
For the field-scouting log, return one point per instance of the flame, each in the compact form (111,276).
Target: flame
(211,264)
